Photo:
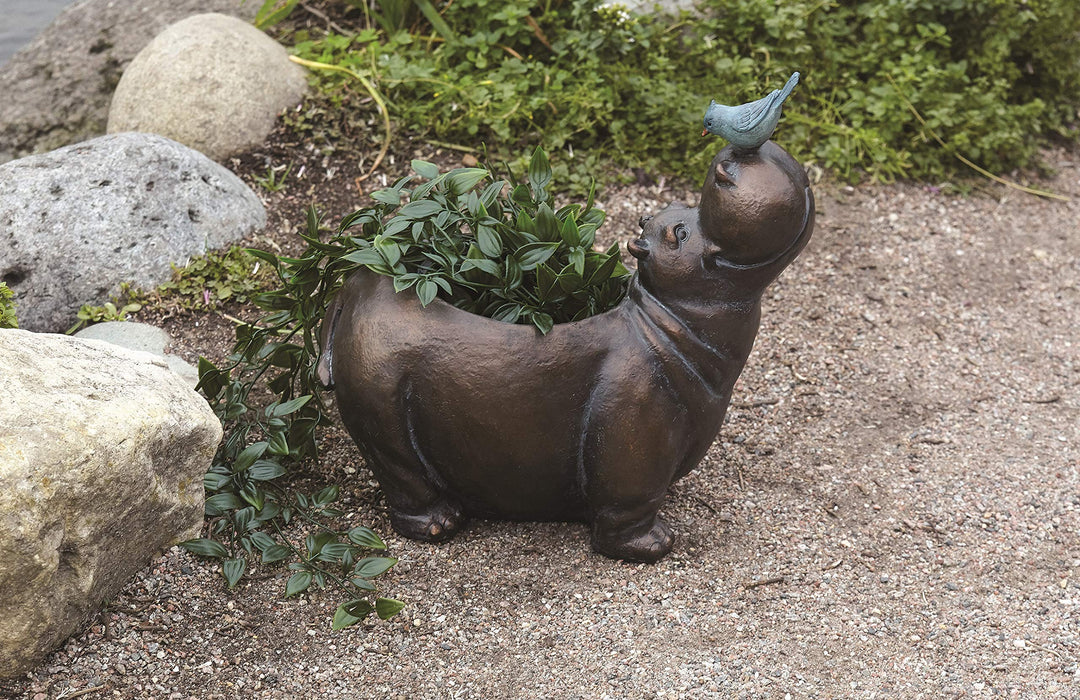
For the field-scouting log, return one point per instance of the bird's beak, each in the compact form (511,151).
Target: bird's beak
(704,132)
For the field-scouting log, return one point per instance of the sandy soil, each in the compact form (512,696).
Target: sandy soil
(890,510)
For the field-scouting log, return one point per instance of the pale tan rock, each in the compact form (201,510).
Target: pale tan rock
(102,453)
(57,89)
(212,82)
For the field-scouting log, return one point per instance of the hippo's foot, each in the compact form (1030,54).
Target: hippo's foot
(439,522)
(635,545)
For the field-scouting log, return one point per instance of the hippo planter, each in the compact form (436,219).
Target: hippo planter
(459,415)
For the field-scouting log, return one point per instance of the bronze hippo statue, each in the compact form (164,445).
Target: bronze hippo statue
(460,415)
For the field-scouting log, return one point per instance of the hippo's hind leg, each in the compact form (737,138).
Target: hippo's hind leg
(419,508)
(628,469)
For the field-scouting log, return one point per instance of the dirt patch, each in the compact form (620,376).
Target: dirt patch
(889,511)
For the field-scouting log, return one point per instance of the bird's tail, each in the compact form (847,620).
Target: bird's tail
(791,83)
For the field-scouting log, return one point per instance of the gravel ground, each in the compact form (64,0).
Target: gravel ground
(889,511)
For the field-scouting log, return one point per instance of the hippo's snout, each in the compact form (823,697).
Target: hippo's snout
(639,248)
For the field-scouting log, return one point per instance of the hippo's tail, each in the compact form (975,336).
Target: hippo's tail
(324,370)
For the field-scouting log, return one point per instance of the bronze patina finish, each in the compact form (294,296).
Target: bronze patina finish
(460,415)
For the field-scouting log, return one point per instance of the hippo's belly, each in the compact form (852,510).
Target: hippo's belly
(495,412)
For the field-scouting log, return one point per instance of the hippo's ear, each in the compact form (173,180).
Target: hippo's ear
(711,253)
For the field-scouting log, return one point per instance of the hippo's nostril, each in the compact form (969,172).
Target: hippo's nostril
(643,220)
(638,248)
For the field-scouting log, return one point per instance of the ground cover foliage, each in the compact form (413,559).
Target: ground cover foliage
(7,308)
(995,79)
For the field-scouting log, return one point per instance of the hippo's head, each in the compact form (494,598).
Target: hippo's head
(756,215)
(756,206)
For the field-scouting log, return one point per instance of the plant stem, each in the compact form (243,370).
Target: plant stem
(374,95)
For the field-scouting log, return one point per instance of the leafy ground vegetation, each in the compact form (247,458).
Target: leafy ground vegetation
(994,80)
(7,308)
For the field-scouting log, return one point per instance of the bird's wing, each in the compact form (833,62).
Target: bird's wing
(751,113)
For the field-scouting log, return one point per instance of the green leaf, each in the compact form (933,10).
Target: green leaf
(250,453)
(389,250)
(206,548)
(327,495)
(542,321)
(386,608)
(298,583)
(370,567)
(265,470)
(269,15)
(532,254)
(425,169)
(363,584)
(335,550)
(344,618)
(539,172)
(262,540)
(233,570)
(569,232)
(437,22)
(391,197)
(290,406)
(422,209)
(489,266)
(215,482)
(604,272)
(316,542)
(514,274)
(507,313)
(279,444)
(587,235)
(547,226)
(364,256)
(211,379)
(219,503)
(577,259)
(275,554)
(462,180)
(427,291)
(366,537)
(545,280)
(569,280)
(489,242)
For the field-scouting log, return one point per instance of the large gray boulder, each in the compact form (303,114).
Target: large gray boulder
(78,221)
(102,453)
(56,91)
(211,82)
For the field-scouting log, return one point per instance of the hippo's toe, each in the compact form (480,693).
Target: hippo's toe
(646,547)
(438,523)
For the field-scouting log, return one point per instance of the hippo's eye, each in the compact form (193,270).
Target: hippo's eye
(643,220)
(676,234)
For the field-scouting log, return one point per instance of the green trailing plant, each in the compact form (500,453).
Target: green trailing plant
(993,79)
(492,246)
(248,509)
(7,308)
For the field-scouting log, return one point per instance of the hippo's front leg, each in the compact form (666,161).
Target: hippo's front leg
(630,454)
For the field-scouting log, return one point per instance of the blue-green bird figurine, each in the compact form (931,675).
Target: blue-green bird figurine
(748,126)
